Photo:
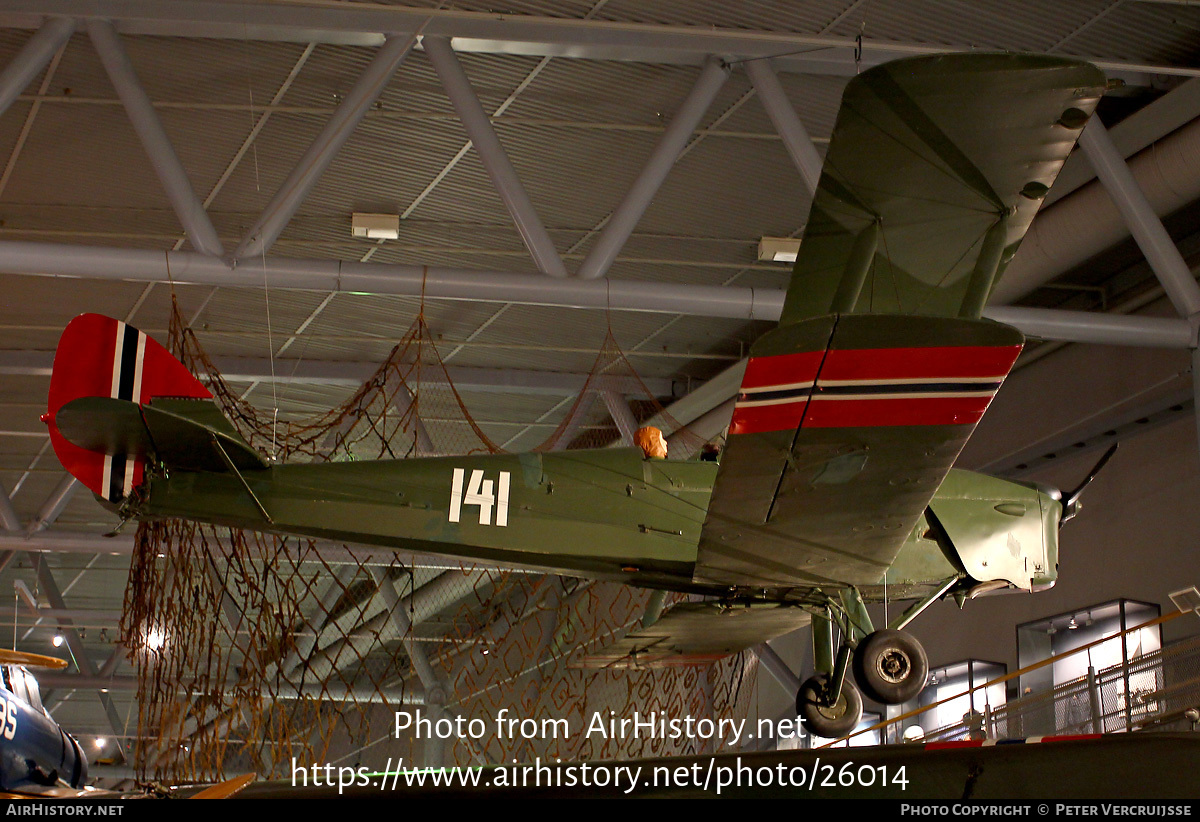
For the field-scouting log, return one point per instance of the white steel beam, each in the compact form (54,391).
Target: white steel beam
(320,154)
(495,160)
(32,58)
(778,669)
(795,137)
(581,411)
(492,32)
(404,402)
(9,521)
(1079,227)
(626,216)
(74,642)
(54,504)
(154,139)
(618,409)
(1160,251)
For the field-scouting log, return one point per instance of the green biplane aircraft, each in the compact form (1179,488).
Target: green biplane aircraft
(835,486)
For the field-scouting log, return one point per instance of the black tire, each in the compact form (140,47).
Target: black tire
(890,667)
(829,721)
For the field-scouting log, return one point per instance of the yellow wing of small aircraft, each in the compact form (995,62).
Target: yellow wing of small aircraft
(836,483)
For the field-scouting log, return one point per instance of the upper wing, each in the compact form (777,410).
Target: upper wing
(927,156)
(853,410)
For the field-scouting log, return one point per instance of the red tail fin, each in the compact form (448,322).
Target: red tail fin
(101,357)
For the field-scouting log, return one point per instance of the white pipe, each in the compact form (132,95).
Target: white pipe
(1075,229)
(1152,238)
(96,262)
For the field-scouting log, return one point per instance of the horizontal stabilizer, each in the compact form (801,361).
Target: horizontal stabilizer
(178,433)
(698,633)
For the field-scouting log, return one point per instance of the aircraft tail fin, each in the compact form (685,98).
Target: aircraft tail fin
(118,398)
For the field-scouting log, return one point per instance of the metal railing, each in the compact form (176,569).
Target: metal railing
(1167,685)
(1150,692)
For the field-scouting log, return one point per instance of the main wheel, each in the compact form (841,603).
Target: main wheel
(890,667)
(823,718)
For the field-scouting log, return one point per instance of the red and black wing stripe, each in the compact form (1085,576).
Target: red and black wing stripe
(842,431)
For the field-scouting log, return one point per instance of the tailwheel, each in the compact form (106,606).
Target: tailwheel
(890,667)
(826,717)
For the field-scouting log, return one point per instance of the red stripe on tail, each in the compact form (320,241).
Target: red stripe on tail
(98,356)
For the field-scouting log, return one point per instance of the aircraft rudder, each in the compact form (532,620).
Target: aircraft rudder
(99,356)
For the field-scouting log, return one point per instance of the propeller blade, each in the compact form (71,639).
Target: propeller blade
(1071,501)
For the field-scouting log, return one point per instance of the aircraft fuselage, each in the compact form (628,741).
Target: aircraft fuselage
(607,514)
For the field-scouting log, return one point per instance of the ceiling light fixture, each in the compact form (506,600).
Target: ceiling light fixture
(778,249)
(58,640)
(375,226)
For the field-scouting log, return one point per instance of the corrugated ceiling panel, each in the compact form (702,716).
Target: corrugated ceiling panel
(1141,32)
(803,17)
(87,157)
(719,184)
(1023,25)
(636,93)
(80,74)
(189,70)
(44,305)
(383,167)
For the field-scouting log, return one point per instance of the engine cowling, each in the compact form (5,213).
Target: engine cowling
(1001,530)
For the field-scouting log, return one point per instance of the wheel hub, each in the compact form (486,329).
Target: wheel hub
(894,666)
(830,709)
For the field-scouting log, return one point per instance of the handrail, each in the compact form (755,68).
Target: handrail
(1160,620)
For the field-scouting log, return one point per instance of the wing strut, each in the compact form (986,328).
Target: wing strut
(987,266)
(220,449)
(918,607)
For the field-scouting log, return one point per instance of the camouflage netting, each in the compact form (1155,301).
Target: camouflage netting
(256,651)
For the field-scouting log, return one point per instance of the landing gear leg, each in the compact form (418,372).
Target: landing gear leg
(890,665)
(825,714)
(829,703)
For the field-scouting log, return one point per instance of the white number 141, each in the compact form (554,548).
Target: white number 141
(484,493)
